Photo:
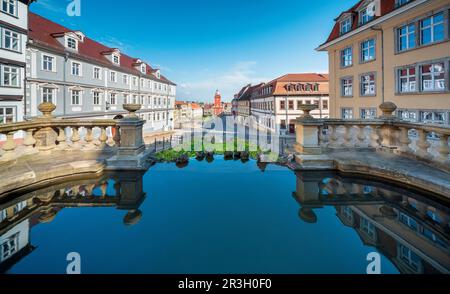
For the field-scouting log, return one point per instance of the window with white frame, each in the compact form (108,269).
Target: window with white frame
(432,117)
(48,63)
(97,73)
(113,76)
(410,258)
(113,98)
(71,43)
(135,81)
(10,76)
(368,84)
(346,25)
(433,77)
(76,69)
(347,87)
(368,113)
(406,37)
(9,247)
(432,29)
(125,79)
(126,98)
(410,116)
(143,68)
(48,95)
(135,99)
(368,228)
(142,83)
(407,80)
(7,115)
(96,98)
(365,17)
(347,113)
(20,207)
(399,3)
(2,215)
(76,97)
(11,40)
(9,6)
(368,50)
(347,57)
(116,59)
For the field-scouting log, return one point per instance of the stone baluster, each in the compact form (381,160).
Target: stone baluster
(423,145)
(404,141)
(75,138)
(29,142)
(361,136)
(375,137)
(333,137)
(9,147)
(444,149)
(348,137)
(103,137)
(89,139)
(61,139)
(116,137)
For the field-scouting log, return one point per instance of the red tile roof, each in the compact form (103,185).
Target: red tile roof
(42,32)
(387,6)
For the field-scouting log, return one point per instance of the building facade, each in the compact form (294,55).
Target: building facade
(218,109)
(13,40)
(276,105)
(186,112)
(391,51)
(86,79)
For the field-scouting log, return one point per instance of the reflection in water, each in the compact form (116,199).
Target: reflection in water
(20,215)
(409,229)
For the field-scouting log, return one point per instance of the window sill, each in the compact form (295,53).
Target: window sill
(345,67)
(397,52)
(422,93)
(9,14)
(12,50)
(347,96)
(367,61)
(368,96)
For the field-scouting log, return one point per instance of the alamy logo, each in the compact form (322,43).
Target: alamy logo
(74,8)
(374,266)
(74,266)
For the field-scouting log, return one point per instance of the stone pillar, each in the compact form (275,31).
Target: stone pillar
(46,137)
(307,136)
(131,137)
(389,133)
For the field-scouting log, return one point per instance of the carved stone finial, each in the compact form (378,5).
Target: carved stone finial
(307,108)
(132,108)
(47,108)
(388,109)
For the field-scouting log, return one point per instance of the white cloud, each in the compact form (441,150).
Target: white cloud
(229,82)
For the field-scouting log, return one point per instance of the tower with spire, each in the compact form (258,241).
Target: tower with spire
(218,103)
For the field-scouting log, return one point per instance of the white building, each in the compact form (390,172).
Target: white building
(86,79)
(13,40)
(276,105)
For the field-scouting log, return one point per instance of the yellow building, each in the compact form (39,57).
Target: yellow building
(391,51)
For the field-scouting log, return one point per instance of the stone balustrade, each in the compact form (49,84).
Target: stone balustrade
(45,134)
(425,142)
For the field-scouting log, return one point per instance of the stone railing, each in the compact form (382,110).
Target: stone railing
(45,134)
(426,142)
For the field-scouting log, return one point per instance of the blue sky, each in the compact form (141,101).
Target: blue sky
(204,45)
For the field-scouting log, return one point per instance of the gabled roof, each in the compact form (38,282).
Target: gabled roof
(42,33)
(387,6)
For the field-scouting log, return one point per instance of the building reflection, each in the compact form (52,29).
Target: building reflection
(19,215)
(407,227)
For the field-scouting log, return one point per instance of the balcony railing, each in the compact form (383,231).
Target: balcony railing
(425,142)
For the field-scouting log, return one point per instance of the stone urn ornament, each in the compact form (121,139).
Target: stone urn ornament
(46,109)
(132,109)
(388,109)
(307,108)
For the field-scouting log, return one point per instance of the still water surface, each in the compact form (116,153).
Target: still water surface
(224,217)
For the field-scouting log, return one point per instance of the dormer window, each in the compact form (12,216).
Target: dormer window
(9,6)
(143,69)
(366,14)
(346,25)
(116,59)
(71,43)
